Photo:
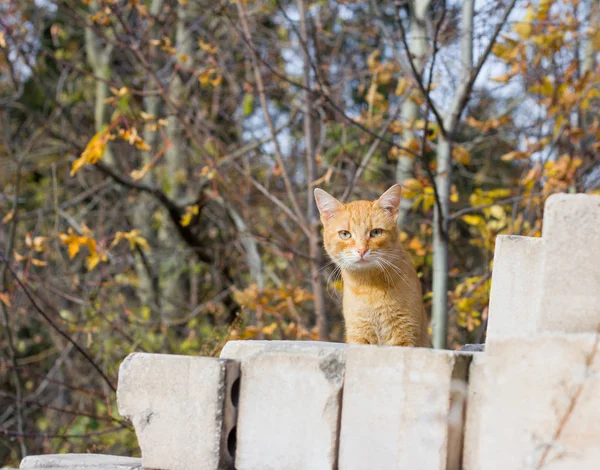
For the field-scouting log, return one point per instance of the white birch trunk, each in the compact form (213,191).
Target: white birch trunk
(418,49)
(443,182)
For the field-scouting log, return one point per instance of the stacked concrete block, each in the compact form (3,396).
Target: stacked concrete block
(541,405)
(403,408)
(475,400)
(552,283)
(516,286)
(570,300)
(240,350)
(183,409)
(81,461)
(290,404)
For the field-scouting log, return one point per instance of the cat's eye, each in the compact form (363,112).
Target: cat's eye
(377,232)
(344,234)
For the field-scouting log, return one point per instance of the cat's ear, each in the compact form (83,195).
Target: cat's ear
(390,200)
(328,205)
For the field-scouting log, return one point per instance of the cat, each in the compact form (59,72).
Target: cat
(382,300)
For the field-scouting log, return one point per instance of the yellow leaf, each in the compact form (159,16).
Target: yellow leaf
(146,116)
(38,243)
(504,78)
(498,193)
(8,217)
(207,47)
(269,330)
(523,27)
(210,77)
(474,220)
(186,219)
(545,88)
(461,155)
(373,60)
(73,248)
(38,262)
(410,188)
(428,198)
(139,174)
(401,87)
(497,212)
(2,40)
(514,155)
(134,238)
(92,152)
(92,261)
(20,258)
(5,298)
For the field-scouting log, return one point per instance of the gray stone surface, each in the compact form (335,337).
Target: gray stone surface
(81,461)
(183,409)
(516,286)
(401,408)
(540,405)
(473,348)
(570,300)
(475,400)
(243,349)
(289,411)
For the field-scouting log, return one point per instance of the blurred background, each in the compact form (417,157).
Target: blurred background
(158,157)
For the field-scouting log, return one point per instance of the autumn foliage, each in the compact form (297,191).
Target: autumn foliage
(158,157)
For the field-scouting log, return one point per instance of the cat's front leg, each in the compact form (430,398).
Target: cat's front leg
(360,335)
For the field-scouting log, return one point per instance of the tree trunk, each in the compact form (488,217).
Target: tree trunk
(314,249)
(98,58)
(443,182)
(418,48)
(148,289)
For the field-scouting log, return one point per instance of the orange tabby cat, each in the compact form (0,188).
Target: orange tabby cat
(382,301)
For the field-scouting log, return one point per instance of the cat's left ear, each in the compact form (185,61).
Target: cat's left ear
(328,205)
(390,200)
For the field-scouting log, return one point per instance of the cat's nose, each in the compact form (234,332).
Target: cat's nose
(362,252)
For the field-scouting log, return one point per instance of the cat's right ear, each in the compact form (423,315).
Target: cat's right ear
(328,205)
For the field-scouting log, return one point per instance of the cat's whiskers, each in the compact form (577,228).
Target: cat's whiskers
(384,271)
(336,274)
(395,269)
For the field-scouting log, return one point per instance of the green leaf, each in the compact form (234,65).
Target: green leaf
(248,104)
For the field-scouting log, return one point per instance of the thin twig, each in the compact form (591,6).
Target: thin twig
(263,101)
(367,158)
(54,325)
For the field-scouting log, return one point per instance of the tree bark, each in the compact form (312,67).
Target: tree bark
(443,182)
(418,48)
(311,173)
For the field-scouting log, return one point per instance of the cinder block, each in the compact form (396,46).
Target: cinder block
(475,400)
(403,408)
(541,406)
(183,409)
(81,461)
(570,299)
(290,404)
(516,286)
(245,348)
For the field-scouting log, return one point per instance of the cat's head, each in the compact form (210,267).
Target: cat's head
(357,235)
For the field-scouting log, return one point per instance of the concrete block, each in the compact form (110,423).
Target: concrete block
(243,349)
(403,408)
(289,411)
(516,286)
(183,409)
(475,400)
(570,299)
(81,461)
(541,406)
